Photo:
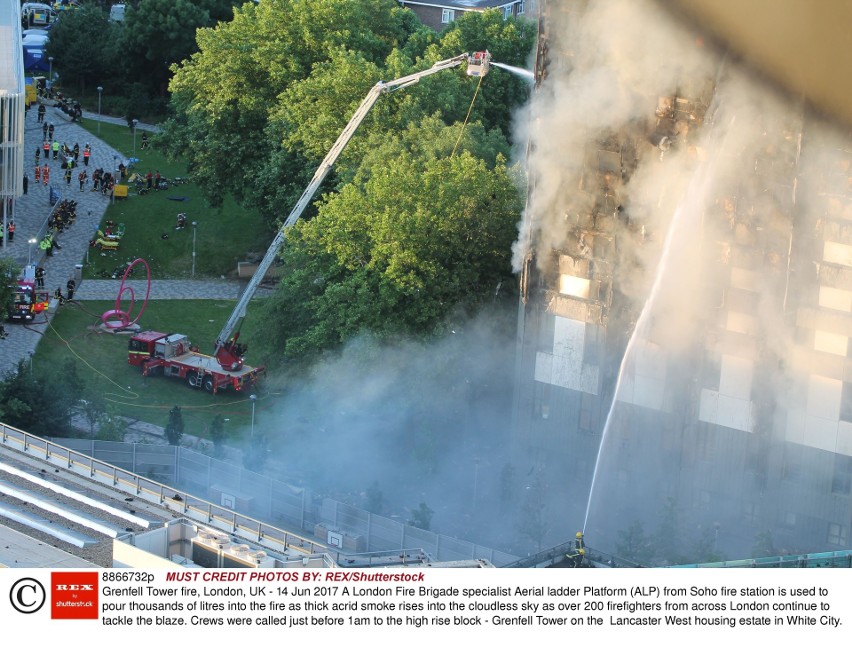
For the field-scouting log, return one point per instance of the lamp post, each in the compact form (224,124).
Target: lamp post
(115,176)
(194,224)
(50,74)
(100,90)
(31,241)
(135,122)
(253,399)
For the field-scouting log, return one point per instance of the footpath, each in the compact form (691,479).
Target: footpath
(32,210)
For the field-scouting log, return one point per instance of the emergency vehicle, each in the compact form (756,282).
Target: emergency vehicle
(27,301)
(173,355)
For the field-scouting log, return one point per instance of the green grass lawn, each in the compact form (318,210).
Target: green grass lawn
(224,236)
(102,360)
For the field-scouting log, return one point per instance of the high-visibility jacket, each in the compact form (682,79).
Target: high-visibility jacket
(55,145)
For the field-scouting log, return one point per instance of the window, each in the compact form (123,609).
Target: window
(842,480)
(836,534)
(448,16)
(521,8)
(507,12)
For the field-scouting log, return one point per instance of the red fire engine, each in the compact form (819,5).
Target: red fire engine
(27,301)
(172,355)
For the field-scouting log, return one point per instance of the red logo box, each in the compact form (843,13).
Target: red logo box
(74,595)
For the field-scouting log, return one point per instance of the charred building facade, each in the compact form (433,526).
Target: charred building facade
(683,359)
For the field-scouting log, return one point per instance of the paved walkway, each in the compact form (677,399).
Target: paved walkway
(32,210)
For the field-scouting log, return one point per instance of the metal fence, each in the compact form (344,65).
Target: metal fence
(279,503)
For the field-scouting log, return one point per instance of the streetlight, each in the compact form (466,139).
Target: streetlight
(253,399)
(194,224)
(31,241)
(100,90)
(50,59)
(135,122)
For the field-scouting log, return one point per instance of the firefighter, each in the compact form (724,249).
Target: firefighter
(46,148)
(58,296)
(10,228)
(82,176)
(71,285)
(55,149)
(39,276)
(45,174)
(37,173)
(87,151)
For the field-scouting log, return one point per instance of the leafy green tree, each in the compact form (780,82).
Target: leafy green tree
(224,96)
(374,499)
(93,408)
(217,435)
(255,457)
(634,545)
(396,251)
(668,536)
(83,46)
(763,545)
(41,402)
(175,427)
(509,41)
(159,33)
(421,517)
(112,426)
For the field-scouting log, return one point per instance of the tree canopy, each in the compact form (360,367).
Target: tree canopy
(258,105)
(400,247)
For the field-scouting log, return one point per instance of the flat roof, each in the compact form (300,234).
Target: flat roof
(20,550)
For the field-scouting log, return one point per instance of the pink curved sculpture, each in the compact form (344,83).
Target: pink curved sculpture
(117,318)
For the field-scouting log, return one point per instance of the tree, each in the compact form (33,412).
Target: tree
(421,517)
(217,435)
(174,428)
(93,408)
(634,545)
(157,34)
(83,46)
(374,499)
(255,457)
(509,41)
(667,538)
(111,425)
(226,93)
(396,253)
(763,545)
(41,402)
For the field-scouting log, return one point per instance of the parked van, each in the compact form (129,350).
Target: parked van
(36,14)
(116,13)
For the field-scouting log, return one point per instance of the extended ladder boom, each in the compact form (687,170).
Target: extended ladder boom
(319,176)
